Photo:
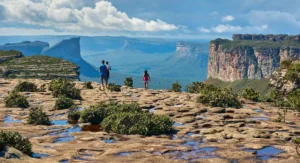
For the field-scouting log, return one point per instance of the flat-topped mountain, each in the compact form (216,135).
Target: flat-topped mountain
(250,56)
(28,48)
(14,65)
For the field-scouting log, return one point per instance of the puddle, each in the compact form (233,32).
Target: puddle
(80,158)
(190,134)
(123,154)
(91,128)
(64,139)
(265,153)
(109,141)
(152,110)
(9,119)
(64,161)
(156,153)
(200,153)
(173,137)
(200,117)
(259,118)
(80,109)
(176,124)
(39,155)
(59,122)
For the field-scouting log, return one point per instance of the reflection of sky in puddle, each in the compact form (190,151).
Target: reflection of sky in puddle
(123,154)
(176,124)
(64,139)
(178,106)
(199,153)
(64,161)
(9,119)
(109,141)
(39,155)
(59,122)
(265,153)
(259,118)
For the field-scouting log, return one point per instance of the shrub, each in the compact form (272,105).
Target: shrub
(73,115)
(15,139)
(195,87)
(96,113)
(142,123)
(38,117)
(63,87)
(2,144)
(88,85)
(63,103)
(26,87)
(114,88)
(294,99)
(218,97)
(14,99)
(128,82)
(271,96)
(176,87)
(250,94)
(286,63)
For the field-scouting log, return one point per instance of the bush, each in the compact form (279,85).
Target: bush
(176,87)
(26,87)
(217,97)
(15,140)
(96,113)
(63,103)
(63,87)
(88,85)
(73,115)
(142,123)
(128,82)
(250,94)
(286,63)
(38,117)
(14,99)
(294,99)
(114,88)
(2,144)
(195,87)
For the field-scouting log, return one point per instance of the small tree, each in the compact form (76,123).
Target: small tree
(38,117)
(250,94)
(88,85)
(128,82)
(14,99)
(176,87)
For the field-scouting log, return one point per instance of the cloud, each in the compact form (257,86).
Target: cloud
(214,13)
(226,28)
(78,15)
(227,18)
(204,30)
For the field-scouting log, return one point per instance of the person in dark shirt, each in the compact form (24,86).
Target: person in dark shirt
(103,74)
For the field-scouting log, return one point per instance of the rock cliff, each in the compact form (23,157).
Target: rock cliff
(41,67)
(250,57)
(9,55)
(26,47)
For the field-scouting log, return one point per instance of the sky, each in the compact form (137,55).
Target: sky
(192,19)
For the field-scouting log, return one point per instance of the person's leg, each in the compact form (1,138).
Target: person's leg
(146,85)
(102,81)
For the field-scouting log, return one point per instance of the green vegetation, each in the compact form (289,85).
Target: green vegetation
(42,67)
(250,94)
(64,87)
(218,97)
(176,87)
(261,86)
(14,99)
(38,117)
(15,140)
(286,63)
(114,88)
(128,82)
(73,114)
(141,123)
(26,87)
(88,85)
(96,113)
(195,87)
(229,45)
(293,73)
(10,53)
(63,103)
(294,99)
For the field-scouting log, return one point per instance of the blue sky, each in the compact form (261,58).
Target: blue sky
(194,19)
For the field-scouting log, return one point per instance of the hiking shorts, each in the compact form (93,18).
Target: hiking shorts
(104,77)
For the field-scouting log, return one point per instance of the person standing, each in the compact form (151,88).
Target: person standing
(146,79)
(108,70)
(103,74)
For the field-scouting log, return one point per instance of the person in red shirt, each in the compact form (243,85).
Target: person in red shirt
(146,79)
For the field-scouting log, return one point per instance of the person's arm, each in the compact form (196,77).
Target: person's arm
(149,78)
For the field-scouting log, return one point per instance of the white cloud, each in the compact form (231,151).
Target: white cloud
(205,30)
(227,18)
(226,28)
(78,15)
(214,13)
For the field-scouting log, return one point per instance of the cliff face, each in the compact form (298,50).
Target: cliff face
(41,67)
(252,59)
(26,47)
(67,49)
(191,50)
(9,55)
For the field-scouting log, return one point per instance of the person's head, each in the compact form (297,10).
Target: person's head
(145,72)
(107,63)
(103,61)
